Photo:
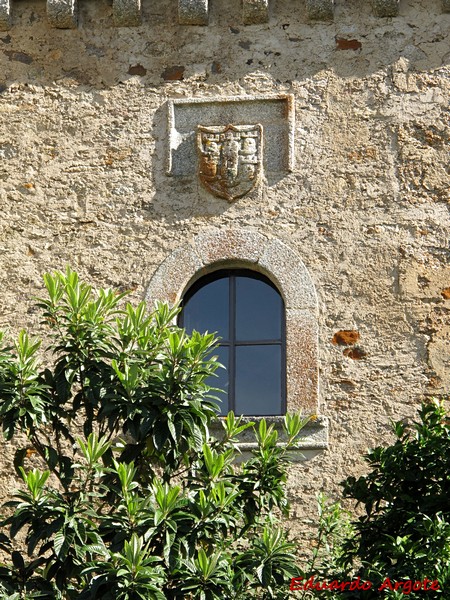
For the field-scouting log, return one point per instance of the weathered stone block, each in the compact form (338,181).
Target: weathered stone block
(293,278)
(446,5)
(320,10)
(229,246)
(255,11)
(169,281)
(385,8)
(62,13)
(421,282)
(5,15)
(302,361)
(427,287)
(438,359)
(127,13)
(193,12)
(313,437)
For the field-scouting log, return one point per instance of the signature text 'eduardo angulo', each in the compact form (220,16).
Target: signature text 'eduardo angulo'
(405,587)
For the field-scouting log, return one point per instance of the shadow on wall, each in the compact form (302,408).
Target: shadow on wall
(286,50)
(91,102)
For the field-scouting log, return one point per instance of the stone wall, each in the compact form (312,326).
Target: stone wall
(83,179)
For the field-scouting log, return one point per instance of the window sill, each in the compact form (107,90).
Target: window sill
(312,440)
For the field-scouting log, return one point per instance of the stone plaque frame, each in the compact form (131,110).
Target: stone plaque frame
(275,113)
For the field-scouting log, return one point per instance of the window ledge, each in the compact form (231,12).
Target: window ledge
(312,440)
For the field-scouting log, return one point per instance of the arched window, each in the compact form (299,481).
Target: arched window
(254,252)
(247,312)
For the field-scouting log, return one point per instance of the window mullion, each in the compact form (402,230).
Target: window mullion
(232,333)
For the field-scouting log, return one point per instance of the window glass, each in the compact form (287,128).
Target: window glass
(258,380)
(247,312)
(208,309)
(258,310)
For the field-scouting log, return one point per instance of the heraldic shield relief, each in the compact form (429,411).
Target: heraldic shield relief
(230,159)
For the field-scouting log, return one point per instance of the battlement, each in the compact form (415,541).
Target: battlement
(63,14)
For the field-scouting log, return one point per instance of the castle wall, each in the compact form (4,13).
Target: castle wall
(84,137)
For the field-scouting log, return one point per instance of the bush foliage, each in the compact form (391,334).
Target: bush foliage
(125,494)
(404,532)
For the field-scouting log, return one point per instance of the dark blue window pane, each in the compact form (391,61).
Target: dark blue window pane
(208,309)
(258,310)
(258,380)
(221,381)
(247,312)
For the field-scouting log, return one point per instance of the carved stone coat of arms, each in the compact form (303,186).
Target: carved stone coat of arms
(230,159)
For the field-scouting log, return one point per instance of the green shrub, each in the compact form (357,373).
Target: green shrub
(403,536)
(405,531)
(125,495)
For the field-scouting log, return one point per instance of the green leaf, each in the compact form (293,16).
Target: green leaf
(17,560)
(62,543)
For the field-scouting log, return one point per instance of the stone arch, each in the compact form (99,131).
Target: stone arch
(216,248)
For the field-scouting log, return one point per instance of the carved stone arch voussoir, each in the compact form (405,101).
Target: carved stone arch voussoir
(214,249)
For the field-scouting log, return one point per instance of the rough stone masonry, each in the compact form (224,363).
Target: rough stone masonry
(360,194)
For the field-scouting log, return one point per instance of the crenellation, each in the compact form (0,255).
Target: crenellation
(320,10)
(5,15)
(255,11)
(193,12)
(62,14)
(386,8)
(127,13)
